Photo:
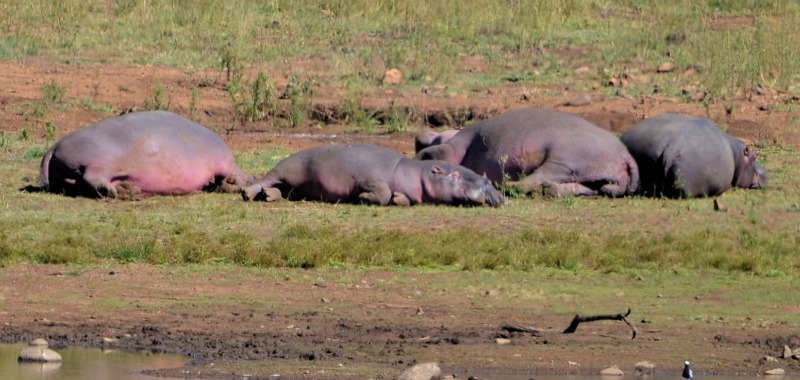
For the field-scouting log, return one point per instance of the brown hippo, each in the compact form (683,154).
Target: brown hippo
(429,138)
(682,156)
(537,148)
(363,173)
(141,153)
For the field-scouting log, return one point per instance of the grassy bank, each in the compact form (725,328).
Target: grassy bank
(459,44)
(758,234)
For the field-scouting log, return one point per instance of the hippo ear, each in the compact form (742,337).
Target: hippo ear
(748,153)
(435,169)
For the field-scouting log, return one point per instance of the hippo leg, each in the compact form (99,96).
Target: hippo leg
(563,189)
(400,199)
(259,193)
(549,173)
(100,184)
(376,192)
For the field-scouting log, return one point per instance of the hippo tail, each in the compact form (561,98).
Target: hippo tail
(633,175)
(44,168)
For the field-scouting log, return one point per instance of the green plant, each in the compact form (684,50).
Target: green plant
(398,119)
(193,102)
(253,102)
(52,93)
(300,95)
(157,102)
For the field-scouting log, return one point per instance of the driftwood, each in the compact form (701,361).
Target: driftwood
(608,317)
(517,328)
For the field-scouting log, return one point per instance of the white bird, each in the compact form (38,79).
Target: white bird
(687,372)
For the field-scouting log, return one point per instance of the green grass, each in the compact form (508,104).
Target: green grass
(732,43)
(758,235)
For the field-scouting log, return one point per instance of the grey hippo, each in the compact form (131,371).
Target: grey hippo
(682,156)
(140,154)
(429,138)
(535,148)
(364,173)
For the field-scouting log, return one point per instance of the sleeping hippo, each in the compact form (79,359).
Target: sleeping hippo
(140,154)
(533,148)
(363,173)
(429,138)
(682,156)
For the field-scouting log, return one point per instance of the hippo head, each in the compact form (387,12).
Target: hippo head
(448,183)
(749,173)
(443,152)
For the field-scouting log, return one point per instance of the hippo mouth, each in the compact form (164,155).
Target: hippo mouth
(487,196)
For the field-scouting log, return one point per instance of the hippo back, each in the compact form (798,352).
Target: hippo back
(682,156)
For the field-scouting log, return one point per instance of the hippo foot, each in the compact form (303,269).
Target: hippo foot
(230,184)
(560,190)
(259,193)
(400,199)
(127,191)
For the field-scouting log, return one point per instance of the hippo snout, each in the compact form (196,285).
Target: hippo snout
(487,195)
(759,178)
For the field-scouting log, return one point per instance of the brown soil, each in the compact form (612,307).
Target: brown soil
(302,327)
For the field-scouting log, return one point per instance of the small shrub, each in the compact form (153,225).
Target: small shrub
(300,95)
(157,100)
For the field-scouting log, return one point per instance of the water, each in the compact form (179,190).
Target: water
(85,363)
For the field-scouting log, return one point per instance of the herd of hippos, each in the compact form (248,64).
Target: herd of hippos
(529,150)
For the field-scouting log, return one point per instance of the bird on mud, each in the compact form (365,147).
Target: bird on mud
(687,372)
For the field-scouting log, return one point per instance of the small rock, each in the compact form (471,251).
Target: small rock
(582,70)
(787,352)
(572,363)
(107,340)
(767,359)
(698,96)
(502,341)
(420,311)
(690,71)
(614,82)
(718,206)
(422,371)
(579,101)
(324,300)
(393,76)
(38,354)
(320,284)
(645,368)
(666,67)
(775,372)
(38,342)
(612,371)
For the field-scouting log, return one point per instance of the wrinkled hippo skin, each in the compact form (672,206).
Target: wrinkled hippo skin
(363,173)
(540,149)
(682,156)
(427,139)
(140,154)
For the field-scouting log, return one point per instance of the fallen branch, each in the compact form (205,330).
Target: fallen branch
(516,328)
(608,317)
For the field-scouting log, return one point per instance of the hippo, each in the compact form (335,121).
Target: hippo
(140,154)
(534,149)
(426,139)
(682,156)
(364,173)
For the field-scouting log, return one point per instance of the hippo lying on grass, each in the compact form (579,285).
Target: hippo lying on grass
(363,173)
(558,152)
(139,154)
(682,156)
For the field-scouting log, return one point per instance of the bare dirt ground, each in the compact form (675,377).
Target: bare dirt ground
(297,325)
